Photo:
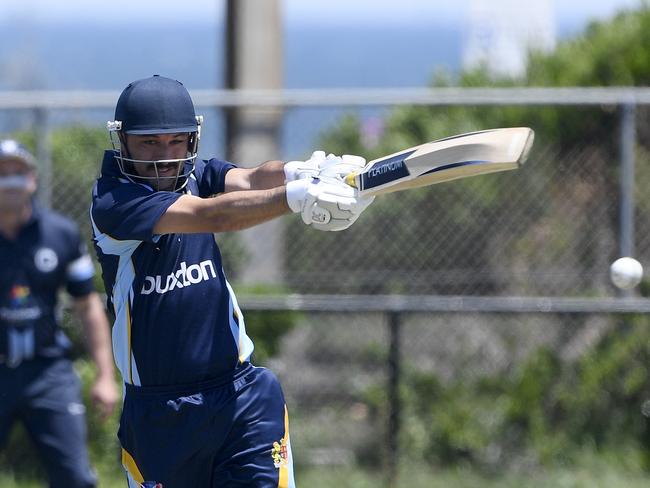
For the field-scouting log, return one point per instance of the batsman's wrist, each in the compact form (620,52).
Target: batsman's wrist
(296,192)
(290,171)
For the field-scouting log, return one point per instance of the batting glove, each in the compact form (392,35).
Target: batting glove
(327,205)
(296,170)
(340,166)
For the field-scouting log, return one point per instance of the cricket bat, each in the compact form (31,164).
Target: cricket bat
(451,158)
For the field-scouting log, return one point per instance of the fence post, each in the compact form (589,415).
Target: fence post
(392,461)
(628,142)
(44,155)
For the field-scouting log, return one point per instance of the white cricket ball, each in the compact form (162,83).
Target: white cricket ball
(626,273)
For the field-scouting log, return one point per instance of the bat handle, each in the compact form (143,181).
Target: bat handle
(351,180)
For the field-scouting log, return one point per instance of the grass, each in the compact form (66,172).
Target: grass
(466,478)
(610,470)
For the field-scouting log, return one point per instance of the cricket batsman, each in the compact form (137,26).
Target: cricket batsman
(196,412)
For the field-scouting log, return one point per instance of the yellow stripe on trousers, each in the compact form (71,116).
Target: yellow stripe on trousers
(129,464)
(284,470)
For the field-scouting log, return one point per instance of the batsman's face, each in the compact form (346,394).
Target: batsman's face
(17,184)
(158,147)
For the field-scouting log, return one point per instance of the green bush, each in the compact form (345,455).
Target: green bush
(267,328)
(546,409)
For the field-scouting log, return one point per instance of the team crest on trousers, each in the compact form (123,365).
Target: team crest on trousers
(280,453)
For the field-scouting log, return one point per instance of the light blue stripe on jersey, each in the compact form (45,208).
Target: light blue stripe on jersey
(122,298)
(238,328)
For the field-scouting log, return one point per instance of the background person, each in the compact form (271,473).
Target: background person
(41,252)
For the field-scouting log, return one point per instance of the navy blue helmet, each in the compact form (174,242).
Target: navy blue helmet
(155,105)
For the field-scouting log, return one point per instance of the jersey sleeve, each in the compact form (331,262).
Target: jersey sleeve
(80,270)
(130,211)
(211,176)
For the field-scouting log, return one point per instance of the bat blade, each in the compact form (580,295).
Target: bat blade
(455,157)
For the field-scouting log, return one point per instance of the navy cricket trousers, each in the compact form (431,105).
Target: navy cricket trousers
(227,432)
(45,395)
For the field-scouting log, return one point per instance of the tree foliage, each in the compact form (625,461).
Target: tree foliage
(609,53)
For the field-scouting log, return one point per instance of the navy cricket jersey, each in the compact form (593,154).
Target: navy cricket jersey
(47,255)
(177,320)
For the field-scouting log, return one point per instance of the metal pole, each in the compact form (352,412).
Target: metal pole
(628,141)
(254,61)
(230,81)
(44,155)
(392,441)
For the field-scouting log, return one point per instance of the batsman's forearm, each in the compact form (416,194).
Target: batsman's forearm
(225,212)
(268,175)
(264,177)
(241,210)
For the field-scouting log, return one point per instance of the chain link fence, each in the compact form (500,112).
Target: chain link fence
(551,228)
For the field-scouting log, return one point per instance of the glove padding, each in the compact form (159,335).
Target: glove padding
(340,166)
(326,204)
(296,170)
(319,165)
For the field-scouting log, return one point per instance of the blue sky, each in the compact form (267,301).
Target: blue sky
(295,11)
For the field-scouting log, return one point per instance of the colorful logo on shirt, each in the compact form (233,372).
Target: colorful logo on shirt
(19,306)
(151,484)
(280,453)
(18,295)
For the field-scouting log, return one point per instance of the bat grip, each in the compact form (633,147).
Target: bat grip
(351,179)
